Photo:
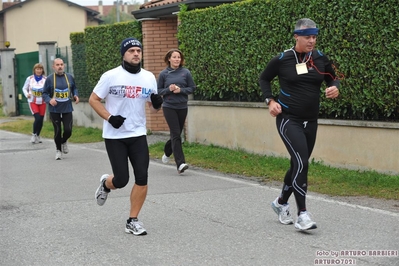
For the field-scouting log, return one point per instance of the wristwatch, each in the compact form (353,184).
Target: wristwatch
(268,100)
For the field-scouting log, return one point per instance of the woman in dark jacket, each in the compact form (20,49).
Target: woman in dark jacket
(175,83)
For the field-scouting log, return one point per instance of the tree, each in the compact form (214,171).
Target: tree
(112,17)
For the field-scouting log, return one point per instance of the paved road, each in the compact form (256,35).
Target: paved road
(48,216)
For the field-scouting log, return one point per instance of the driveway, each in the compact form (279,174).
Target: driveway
(49,217)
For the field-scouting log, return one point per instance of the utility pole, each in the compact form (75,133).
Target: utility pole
(117,11)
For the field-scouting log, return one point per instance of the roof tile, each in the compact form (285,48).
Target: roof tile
(156,3)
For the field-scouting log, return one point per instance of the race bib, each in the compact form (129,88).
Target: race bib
(301,68)
(37,93)
(61,95)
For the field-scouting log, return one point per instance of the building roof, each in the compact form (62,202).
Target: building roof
(155,3)
(8,4)
(106,9)
(168,8)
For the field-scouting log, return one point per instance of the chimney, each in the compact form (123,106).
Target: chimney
(100,8)
(125,8)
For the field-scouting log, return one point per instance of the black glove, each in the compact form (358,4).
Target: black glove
(156,100)
(116,120)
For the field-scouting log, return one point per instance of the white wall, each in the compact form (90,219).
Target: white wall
(248,126)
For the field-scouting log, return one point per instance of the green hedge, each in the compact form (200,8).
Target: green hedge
(227,47)
(79,64)
(101,52)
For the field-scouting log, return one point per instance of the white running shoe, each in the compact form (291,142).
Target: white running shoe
(135,227)
(33,139)
(101,195)
(304,222)
(165,159)
(283,212)
(183,167)
(58,155)
(64,148)
(39,139)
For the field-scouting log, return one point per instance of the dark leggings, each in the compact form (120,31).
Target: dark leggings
(37,124)
(299,138)
(66,119)
(175,119)
(136,150)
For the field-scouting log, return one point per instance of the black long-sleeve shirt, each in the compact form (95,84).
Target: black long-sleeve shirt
(180,77)
(299,95)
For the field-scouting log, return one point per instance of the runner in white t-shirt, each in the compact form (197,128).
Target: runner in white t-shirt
(126,89)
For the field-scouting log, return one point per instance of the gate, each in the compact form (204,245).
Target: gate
(65,54)
(23,68)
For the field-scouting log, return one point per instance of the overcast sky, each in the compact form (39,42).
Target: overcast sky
(95,2)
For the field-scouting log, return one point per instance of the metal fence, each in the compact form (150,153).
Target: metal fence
(65,53)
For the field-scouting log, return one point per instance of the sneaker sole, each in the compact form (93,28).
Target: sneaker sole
(289,222)
(98,190)
(182,170)
(100,203)
(312,226)
(128,231)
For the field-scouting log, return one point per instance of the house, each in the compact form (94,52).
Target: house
(25,23)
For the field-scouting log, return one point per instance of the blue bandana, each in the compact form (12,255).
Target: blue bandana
(307,32)
(38,78)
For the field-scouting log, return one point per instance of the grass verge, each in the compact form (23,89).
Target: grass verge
(322,179)
(80,134)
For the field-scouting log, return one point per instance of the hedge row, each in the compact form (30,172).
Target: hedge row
(227,47)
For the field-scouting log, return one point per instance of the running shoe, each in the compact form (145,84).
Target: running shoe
(165,159)
(135,227)
(304,222)
(39,139)
(101,195)
(58,155)
(183,167)
(283,212)
(64,148)
(33,139)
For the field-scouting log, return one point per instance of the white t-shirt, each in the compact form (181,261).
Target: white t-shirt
(126,94)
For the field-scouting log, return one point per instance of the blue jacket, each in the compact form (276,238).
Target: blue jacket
(62,89)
